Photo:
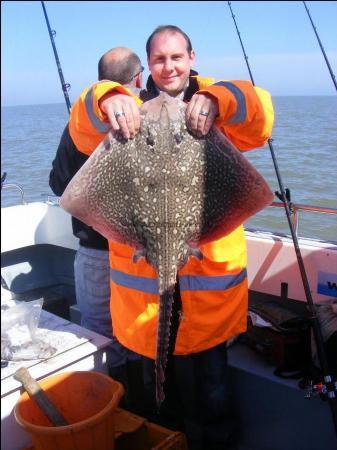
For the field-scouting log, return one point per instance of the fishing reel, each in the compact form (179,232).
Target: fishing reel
(325,390)
(287,195)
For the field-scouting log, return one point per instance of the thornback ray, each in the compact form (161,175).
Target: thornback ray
(165,193)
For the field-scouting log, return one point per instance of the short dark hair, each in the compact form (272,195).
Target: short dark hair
(172,29)
(122,71)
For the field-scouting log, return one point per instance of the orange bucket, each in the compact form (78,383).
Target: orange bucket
(87,400)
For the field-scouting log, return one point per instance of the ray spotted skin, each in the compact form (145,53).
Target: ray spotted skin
(165,192)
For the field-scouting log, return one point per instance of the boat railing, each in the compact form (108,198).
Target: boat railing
(296,208)
(15,186)
(51,199)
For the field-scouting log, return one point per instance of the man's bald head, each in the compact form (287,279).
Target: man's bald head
(119,64)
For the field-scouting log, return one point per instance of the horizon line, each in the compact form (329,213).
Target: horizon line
(62,103)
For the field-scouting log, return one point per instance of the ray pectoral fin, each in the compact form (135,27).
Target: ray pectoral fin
(233,189)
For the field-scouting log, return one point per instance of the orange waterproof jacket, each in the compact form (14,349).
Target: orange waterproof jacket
(214,291)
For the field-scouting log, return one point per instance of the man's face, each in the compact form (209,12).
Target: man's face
(170,62)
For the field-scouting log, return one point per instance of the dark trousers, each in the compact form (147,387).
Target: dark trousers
(197,398)
(197,393)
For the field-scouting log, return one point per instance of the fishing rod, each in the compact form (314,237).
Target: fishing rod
(52,33)
(322,48)
(330,387)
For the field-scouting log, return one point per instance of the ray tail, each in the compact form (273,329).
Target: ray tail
(163,338)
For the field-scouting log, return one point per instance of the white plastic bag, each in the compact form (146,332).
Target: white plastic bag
(19,322)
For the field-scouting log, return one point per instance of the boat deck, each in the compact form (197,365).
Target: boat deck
(76,349)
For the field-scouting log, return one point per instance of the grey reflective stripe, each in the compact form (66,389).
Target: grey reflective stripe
(96,123)
(187,282)
(148,285)
(241,111)
(203,283)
